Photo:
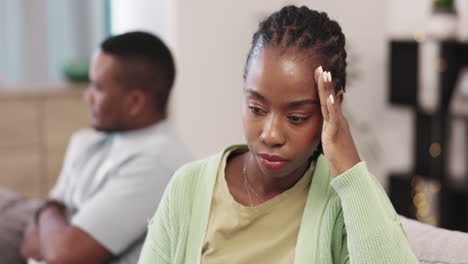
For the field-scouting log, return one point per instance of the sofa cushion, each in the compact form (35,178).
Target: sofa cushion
(436,245)
(15,212)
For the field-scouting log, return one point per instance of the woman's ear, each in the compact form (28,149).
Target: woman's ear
(340,96)
(137,102)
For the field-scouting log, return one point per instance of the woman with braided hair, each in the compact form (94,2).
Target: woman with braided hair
(298,192)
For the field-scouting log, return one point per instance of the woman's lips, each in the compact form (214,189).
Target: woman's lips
(272,162)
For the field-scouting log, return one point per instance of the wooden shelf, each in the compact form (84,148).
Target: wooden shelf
(36,126)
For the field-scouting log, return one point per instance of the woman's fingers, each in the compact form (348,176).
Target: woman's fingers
(317,73)
(325,89)
(331,106)
(320,79)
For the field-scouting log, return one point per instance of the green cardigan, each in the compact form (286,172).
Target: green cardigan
(348,219)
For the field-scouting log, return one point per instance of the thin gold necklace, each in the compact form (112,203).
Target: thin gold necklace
(248,186)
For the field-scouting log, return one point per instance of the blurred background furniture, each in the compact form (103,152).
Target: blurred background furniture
(36,124)
(436,245)
(429,192)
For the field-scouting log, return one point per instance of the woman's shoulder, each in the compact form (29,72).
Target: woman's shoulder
(200,173)
(194,172)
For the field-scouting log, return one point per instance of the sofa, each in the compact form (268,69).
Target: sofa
(436,245)
(430,244)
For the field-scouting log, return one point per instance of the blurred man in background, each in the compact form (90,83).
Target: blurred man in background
(112,174)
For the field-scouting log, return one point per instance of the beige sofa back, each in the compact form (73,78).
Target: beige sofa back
(436,245)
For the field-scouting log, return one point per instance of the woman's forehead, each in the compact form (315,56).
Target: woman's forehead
(289,74)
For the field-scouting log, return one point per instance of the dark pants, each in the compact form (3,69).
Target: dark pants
(15,212)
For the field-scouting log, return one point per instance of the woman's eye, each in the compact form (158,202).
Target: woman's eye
(297,119)
(256,110)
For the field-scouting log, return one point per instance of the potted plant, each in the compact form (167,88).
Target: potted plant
(443,21)
(444,5)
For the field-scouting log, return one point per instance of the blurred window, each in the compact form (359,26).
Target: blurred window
(39,38)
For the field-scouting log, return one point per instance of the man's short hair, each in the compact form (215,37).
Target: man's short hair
(148,48)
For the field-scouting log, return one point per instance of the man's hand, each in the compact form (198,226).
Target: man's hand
(61,242)
(30,247)
(53,240)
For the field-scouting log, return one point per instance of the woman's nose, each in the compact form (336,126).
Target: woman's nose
(272,133)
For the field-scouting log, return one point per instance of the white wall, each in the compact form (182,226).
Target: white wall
(211,42)
(156,16)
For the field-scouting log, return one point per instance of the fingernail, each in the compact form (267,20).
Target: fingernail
(325,79)
(332,100)
(329,77)
(320,69)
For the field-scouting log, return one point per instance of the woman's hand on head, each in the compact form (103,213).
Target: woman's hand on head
(337,142)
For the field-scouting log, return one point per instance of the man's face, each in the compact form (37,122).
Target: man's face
(107,96)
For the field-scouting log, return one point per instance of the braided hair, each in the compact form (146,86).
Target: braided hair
(306,30)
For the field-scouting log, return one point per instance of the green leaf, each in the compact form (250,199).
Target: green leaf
(443,3)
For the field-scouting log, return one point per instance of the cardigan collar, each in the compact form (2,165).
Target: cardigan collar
(307,245)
